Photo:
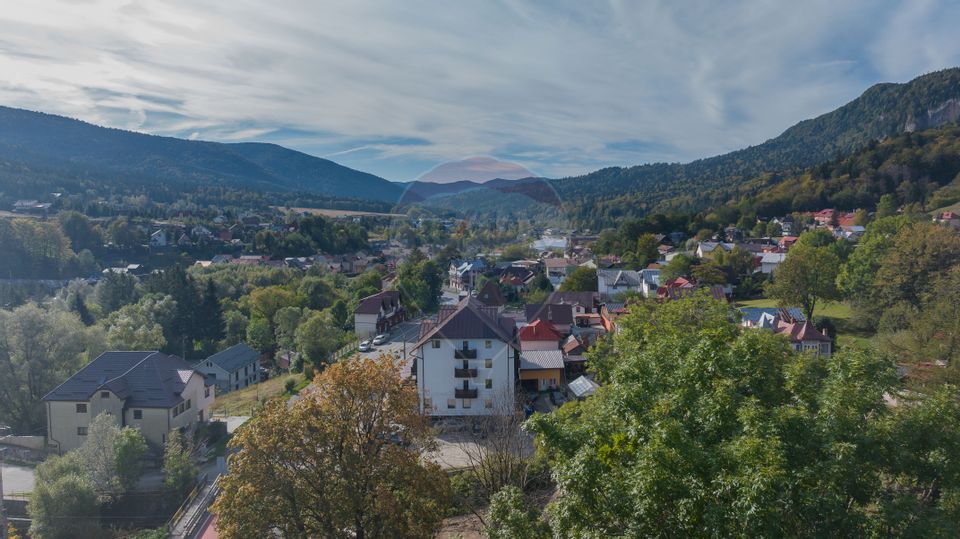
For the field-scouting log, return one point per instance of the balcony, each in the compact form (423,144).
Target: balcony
(465,393)
(464,373)
(464,354)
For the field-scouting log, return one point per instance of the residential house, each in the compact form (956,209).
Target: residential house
(378,313)
(949,218)
(791,323)
(649,282)
(557,269)
(184,240)
(559,315)
(611,282)
(675,289)
(707,249)
(541,370)
(149,391)
(466,361)
(234,368)
(786,223)
(491,296)
(463,275)
(761,317)
(158,239)
(539,335)
(769,262)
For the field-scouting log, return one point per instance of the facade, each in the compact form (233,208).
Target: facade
(541,360)
(611,282)
(234,368)
(769,262)
(158,238)
(707,249)
(378,313)
(466,361)
(149,391)
(463,275)
(491,296)
(557,270)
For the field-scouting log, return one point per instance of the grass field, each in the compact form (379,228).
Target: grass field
(338,213)
(244,401)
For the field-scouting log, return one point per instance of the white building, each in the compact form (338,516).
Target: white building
(234,368)
(158,238)
(611,282)
(149,391)
(378,313)
(466,361)
(769,262)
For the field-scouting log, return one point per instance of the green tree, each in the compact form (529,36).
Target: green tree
(680,266)
(63,504)
(82,232)
(647,250)
(806,277)
(317,338)
(710,274)
(111,456)
(114,290)
(921,253)
(887,207)
(260,336)
(179,470)
(339,314)
(130,449)
(511,517)
(582,279)
(210,315)
(235,328)
(141,326)
(316,293)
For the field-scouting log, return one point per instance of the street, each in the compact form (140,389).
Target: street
(17,479)
(403,333)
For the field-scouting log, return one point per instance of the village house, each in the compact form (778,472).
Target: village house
(149,391)
(790,323)
(707,249)
(378,313)
(466,361)
(158,239)
(949,218)
(558,269)
(541,359)
(769,262)
(491,296)
(462,275)
(234,368)
(611,282)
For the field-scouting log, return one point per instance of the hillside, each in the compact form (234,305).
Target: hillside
(38,145)
(604,196)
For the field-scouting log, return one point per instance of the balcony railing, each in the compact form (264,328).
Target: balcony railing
(464,373)
(464,354)
(465,393)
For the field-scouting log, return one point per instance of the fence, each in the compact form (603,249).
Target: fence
(347,350)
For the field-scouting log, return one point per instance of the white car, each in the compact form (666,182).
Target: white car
(366,347)
(381,339)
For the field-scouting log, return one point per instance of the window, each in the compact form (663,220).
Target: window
(189,404)
(206,392)
(81,407)
(466,403)
(488,403)
(104,394)
(488,363)
(451,403)
(81,431)
(488,383)
(435,344)
(138,414)
(487,344)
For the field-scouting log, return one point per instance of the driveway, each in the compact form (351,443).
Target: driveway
(17,479)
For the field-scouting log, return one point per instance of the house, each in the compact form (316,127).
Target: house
(675,289)
(466,361)
(463,275)
(649,282)
(201,233)
(707,249)
(611,282)
(149,391)
(753,317)
(541,370)
(786,224)
(539,335)
(557,269)
(949,218)
(824,217)
(769,262)
(234,368)
(849,232)
(32,206)
(791,323)
(158,238)
(786,242)
(491,296)
(184,241)
(378,313)
(559,315)
(583,302)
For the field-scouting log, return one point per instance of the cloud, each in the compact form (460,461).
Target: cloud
(478,169)
(560,87)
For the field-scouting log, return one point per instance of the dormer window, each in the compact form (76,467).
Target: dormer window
(104,394)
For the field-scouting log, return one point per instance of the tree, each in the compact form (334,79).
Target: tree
(355,469)
(210,315)
(286,321)
(179,471)
(122,234)
(339,314)
(647,250)
(114,291)
(235,328)
(77,305)
(511,517)
(680,266)
(111,456)
(707,429)
(260,337)
(38,350)
(82,232)
(421,281)
(709,274)
(317,338)
(317,294)
(141,326)
(63,504)
(807,276)
(858,275)
(921,253)
(887,207)
(582,279)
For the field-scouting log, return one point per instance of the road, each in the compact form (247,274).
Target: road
(405,333)
(17,479)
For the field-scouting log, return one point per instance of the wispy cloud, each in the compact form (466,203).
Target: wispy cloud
(396,88)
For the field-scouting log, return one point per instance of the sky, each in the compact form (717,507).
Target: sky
(442,90)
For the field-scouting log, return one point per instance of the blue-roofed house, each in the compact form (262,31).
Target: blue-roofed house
(762,317)
(150,391)
(234,368)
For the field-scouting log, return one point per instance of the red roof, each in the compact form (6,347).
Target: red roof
(679,282)
(539,330)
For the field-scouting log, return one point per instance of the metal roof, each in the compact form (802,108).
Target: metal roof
(583,387)
(531,360)
(234,358)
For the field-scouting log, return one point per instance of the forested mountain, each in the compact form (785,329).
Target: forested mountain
(602,197)
(35,147)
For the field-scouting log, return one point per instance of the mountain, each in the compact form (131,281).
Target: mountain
(34,143)
(419,190)
(602,197)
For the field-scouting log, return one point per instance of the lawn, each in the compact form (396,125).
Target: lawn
(244,401)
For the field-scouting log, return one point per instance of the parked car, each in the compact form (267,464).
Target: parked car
(557,398)
(381,339)
(365,346)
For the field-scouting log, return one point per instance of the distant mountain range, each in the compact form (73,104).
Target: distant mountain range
(884,110)
(44,144)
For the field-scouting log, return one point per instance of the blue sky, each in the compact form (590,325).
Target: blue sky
(400,88)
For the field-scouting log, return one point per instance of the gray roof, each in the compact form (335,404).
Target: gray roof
(753,314)
(555,313)
(143,379)
(618,277)
(234,358)
(541,359)
(583,387)
(469,319)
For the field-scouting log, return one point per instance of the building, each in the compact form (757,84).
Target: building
(541,359)
(149,391)
(378,313)
(234,368)
(707,249)
(790,323)
(539,335)
(158,238)
(611,282)
(491,296)
(557,269)
(466,361)
(463,275)
(769,262)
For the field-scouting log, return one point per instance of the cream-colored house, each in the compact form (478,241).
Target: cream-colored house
(150,391)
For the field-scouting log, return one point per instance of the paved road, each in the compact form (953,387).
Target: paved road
(403,333)
(17,479)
